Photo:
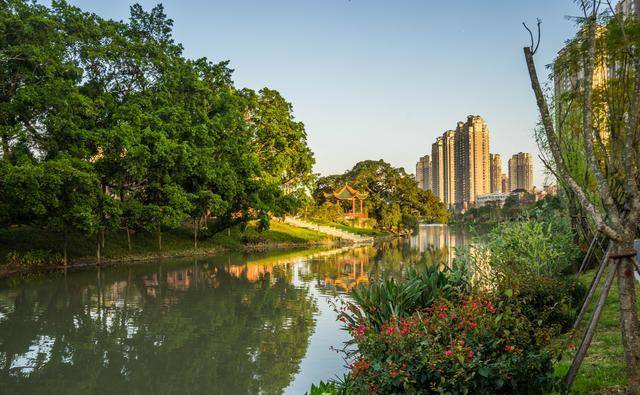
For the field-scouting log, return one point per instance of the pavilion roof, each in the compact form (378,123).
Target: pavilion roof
(346,192)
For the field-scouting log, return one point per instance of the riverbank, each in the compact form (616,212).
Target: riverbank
(27,249)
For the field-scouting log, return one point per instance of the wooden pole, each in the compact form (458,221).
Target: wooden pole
(588,254)
(591,329)
(592,289)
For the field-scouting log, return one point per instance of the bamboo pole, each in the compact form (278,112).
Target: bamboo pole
(592,289)
(591,329)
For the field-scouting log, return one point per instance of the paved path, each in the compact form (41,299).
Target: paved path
(329,230)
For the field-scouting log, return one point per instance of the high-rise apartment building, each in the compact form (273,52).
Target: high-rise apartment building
(448,162)
(423,173)
(472,169)
(521,172)
(495,173)
(504,182)
(437,168)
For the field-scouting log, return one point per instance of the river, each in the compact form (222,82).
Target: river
(229,324)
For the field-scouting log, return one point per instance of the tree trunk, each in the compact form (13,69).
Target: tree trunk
(629,318)
(128,238)
(102,237)
(64,247)
(195,232)
(99,247)
(159,238)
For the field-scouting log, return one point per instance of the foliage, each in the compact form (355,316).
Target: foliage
(325,388)
(394,199)
(469,346)
(387,299)
(545,248)
(105,125)
(31,258)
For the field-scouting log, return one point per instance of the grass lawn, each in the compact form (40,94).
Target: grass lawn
(603,369)
(175,242)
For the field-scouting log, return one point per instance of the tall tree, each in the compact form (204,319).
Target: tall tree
(614,162)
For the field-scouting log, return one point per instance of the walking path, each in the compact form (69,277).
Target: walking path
(329,230)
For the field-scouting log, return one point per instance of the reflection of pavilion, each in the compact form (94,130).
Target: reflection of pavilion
(350,270)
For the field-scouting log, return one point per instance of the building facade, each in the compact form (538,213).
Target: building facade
(449,161)
(495,173)
(521,172)
(472,168)
(423,173)
(437,168)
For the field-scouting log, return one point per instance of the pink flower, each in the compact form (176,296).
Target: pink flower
(470,355)
(453,316)
(440,315)
(448,353)
(462,342)
(473,324)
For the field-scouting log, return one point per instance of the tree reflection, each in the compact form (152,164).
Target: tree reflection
(201,328)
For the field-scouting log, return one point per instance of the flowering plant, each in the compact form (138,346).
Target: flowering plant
(471,346)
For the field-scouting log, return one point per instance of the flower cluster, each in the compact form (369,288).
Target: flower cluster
(469,346)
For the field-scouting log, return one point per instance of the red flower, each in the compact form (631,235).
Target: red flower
(473,324)
(440,315)
(453,316)
(448,353)
(470,354)
(391,329)
(404,331)
(393,373)
(462,342)
(508,347)
(442,308)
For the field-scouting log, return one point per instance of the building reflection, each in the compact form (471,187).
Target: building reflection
(442,238)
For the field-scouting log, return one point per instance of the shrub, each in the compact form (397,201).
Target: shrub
(387,299)
(32,258)
(540,247)
(550,302)
(467,347)
(325,388)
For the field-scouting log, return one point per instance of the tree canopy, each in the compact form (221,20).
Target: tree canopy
(394,199)
(107,125)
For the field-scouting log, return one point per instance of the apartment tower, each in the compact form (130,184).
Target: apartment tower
(521,172)
(437,168)
(449,175)
(472,168)
(495,173)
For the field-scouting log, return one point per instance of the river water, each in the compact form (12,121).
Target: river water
(232,324)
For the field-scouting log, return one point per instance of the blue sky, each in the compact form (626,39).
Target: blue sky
(378,79)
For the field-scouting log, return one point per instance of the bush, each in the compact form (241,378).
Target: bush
(325,388)
(467,347)
(550,302)
(383,300)
(539,247)
(32,258)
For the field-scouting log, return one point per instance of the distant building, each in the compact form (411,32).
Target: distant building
(472,175)
(449,163)
(437,169)
(504,182)
(495,173)
(423,173)
(496,198)
(521,172)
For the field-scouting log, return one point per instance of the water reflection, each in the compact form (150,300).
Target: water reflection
(230,325)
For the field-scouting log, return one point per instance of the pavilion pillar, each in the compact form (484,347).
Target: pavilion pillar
(353,206)
(360,206)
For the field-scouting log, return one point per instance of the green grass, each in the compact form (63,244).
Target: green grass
(603,369)
(174,242)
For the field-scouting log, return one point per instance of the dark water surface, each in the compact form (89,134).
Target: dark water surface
(238,324)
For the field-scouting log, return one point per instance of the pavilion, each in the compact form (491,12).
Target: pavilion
(348,193)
